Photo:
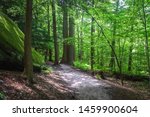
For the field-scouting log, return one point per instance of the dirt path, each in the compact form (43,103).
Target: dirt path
(86,87)
(64,83)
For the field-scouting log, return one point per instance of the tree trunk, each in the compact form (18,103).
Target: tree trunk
(28,65)
(113,43)
(72,42)
(46,54)
(81,39)
(92,41)
(146,37)
(130,58)
(49,33)
(56,62)
(130,52)
(78,43)
(112,60)
(65,33)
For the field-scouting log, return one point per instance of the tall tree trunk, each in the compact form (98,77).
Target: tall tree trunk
(78,42)
(65,33)
(56,62)
(72,42)
(92,41)
(130,58)
(113,43)
(35,23)
(81,39)
(28,65)
(130,53)
(146,37)
(49,33)
(78,35)
(36,16)
(112,60)
(100,52)
(46,54)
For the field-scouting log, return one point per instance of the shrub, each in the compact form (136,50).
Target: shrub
(81,65)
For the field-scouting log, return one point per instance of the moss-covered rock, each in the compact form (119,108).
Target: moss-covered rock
(12,41)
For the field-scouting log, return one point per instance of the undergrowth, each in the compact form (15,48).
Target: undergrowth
(46,69)
(81,65)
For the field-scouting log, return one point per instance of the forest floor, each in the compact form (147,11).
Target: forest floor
(64,83)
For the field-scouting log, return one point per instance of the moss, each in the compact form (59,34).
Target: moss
(12,39)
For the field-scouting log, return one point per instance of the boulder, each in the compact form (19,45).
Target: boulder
(12,43)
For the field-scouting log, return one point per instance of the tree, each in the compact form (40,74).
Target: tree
(146,37)
(65,31)
(72,41)
(48,12)
(113,43)
(68,34)
(28,66)
(130,52)
(80,42)
(71,35)
(92,40)
(56,62)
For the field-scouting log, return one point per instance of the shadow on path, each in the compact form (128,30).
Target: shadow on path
(88,88)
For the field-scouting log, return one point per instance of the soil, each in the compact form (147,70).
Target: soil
(46,87)
(64,83)
(87,87)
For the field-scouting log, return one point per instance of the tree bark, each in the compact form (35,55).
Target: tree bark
(65,33)
(56,62)
(130,52)
(146,37)
(78,31)
(28,65)
(49,33)
(92,41)
(81,39)
(72,42)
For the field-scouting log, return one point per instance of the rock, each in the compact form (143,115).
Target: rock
(12,42)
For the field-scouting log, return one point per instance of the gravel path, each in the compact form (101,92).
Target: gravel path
(85,87)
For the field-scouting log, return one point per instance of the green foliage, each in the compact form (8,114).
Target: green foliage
(81,65)
(126,18)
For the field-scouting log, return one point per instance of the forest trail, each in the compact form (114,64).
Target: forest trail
(63,83)
(85,87)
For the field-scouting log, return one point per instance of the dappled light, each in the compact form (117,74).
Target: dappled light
(87,87)
(44,88)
